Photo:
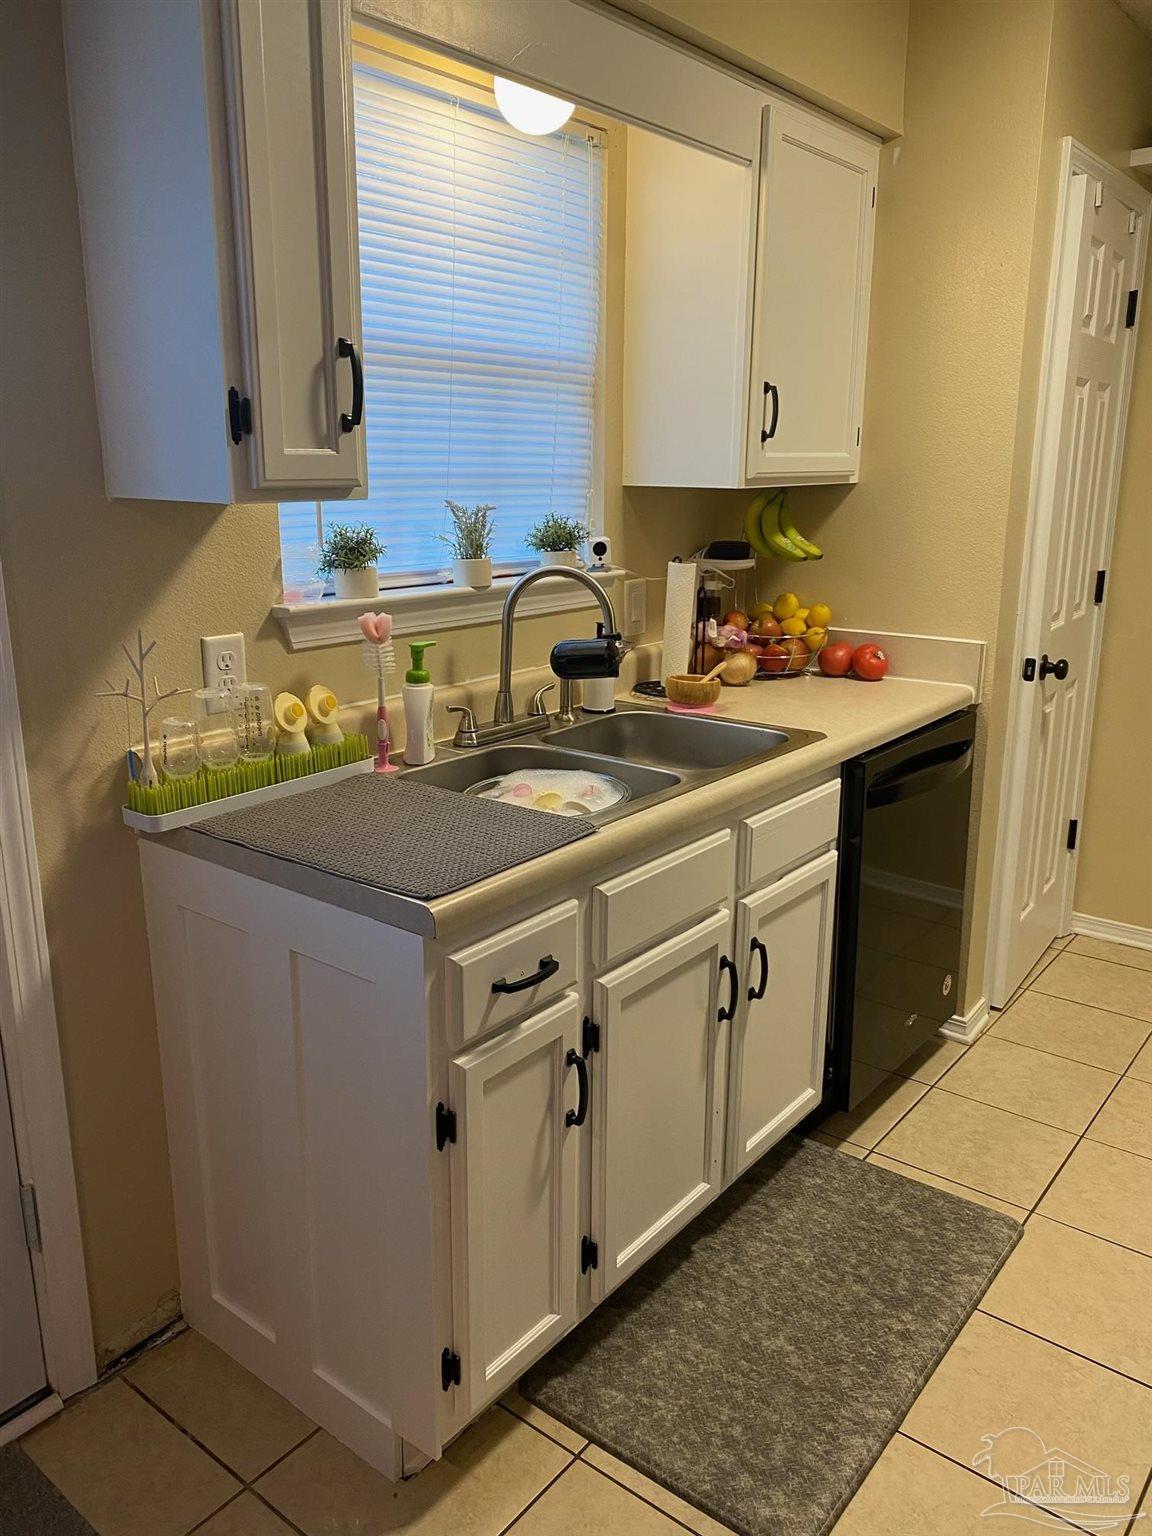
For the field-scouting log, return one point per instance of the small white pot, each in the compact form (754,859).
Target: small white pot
(472,573)
(558,557)
(362,583)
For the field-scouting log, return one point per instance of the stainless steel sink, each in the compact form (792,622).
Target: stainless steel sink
(666,740)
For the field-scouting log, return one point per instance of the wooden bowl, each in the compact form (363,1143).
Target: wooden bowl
(692,688)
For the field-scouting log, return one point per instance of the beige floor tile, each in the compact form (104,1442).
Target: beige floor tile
(245,1516)
(695,1519)
(1079,1291)
(1035,1084)
(1074,1030)
(482,1482)
(980,1146)
(1103,1190)
(922,1176)
(840,1146)
(1118,988)
(542,1421)
(1118,954)
(875,1115)
(1126,1120)
(224,1406)
(125,1468)
(1041,965)
(585,1502)
(1002,1401)
(1142,1066)
(931,1061)
(911,1491)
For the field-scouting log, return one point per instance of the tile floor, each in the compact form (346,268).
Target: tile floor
(1047,1117)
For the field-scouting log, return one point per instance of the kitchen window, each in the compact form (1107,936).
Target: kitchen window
(481,276)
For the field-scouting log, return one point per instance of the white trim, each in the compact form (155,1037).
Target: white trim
(1074,158)
(1140,159)
(966,1027)
(46,1408)
(1113,932)
(332,621)
(32,1060)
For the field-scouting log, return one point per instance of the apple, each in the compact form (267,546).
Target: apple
(764,624)
(737,618)
(798,653)
(773,658)
(836,659)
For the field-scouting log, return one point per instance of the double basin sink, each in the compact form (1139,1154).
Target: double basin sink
(656,754)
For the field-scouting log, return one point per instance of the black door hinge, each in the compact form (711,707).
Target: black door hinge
(1130,314)
(1101,578)
(445,1126)
(1028,671)
(449,1369)
(589,1038)
(589,1255)
(239,415)
(1073,833)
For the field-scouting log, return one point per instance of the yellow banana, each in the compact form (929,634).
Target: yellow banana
(776,539)
(752,523)
(788,528)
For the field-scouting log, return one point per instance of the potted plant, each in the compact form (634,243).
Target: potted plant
(471,544)
(556,539)
(349,556)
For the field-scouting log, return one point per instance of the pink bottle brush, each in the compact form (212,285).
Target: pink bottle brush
(380,658)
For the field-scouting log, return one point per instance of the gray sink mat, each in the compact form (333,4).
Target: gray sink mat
(759,1364)
(397,835)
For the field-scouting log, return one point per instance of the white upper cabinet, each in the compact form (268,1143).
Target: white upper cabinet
(215,170)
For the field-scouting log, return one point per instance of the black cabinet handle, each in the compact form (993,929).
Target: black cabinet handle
(578,1115)
(349,421)
(725,1014)
(757,992)
(1058,669)
(770,430)
(547,967)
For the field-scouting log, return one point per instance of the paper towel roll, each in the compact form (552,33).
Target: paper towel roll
(679,615)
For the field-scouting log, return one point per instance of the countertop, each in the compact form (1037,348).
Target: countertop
(853,717)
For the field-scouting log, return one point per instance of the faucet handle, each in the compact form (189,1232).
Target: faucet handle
(537,707)
(466,729)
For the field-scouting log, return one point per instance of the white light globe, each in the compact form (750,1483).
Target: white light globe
(530,111)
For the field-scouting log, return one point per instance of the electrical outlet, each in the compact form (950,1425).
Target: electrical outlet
(223,661)
(635,607)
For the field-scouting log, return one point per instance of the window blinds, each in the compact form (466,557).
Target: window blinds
(480,287)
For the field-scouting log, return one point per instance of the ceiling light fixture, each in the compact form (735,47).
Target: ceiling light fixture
(531,111)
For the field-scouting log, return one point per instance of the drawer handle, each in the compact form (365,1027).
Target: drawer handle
(757,992)
(349,422)
(547,967)
(729,1013)
(578,1115)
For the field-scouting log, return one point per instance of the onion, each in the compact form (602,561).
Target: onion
(739,669)
(729,638)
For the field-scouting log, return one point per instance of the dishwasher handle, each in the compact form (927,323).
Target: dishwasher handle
(921,774)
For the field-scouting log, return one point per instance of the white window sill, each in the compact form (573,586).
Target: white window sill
(427,610)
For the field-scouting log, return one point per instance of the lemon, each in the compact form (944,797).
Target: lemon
(820,615)
(816,637)
(802,613)
(793,626)
(786,605)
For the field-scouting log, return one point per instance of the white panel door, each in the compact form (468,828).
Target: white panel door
(295,193)
(519,1099)
(658,1102)
(813,271)
(1095,331)
(784,950)
(21,1357)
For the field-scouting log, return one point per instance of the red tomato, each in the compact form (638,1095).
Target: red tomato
(869,662)
(836,658)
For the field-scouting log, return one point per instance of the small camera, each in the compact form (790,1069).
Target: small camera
(600,549)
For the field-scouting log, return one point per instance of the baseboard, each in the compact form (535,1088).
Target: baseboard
(967,1027)
(22,1423)
(1111,931)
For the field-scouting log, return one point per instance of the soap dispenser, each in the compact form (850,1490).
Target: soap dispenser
(418,695)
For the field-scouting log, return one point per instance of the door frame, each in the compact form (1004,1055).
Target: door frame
(31,1044)
(1075,159)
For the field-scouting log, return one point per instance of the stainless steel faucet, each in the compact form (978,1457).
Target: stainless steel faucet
(505,712)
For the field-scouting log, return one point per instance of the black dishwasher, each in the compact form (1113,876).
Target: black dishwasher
(900,903)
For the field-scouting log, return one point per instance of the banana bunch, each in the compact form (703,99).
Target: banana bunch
(769,529)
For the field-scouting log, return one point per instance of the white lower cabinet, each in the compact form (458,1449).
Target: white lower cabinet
(659,1101)
(519,1100)
(784,951)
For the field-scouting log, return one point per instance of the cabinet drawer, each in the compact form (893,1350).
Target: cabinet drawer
(773,840)
(499,978)
(656,897)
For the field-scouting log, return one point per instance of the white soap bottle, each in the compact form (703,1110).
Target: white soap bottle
(418,695)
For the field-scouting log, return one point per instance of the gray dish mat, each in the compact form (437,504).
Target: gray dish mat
(32,1506)
(411,838)
(759,1364)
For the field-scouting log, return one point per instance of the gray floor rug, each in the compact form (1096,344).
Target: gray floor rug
(760,1363)
(32,1506)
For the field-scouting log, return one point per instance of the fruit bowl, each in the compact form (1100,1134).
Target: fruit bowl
(772,667)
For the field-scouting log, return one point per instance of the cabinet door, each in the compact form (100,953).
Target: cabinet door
(658,1099)
(514,1197)
(295,196)
(784,951)
(813,270)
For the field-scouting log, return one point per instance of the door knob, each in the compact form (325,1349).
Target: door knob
(1058,669)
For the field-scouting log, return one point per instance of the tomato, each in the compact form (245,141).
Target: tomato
(869,662)
(836,658)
